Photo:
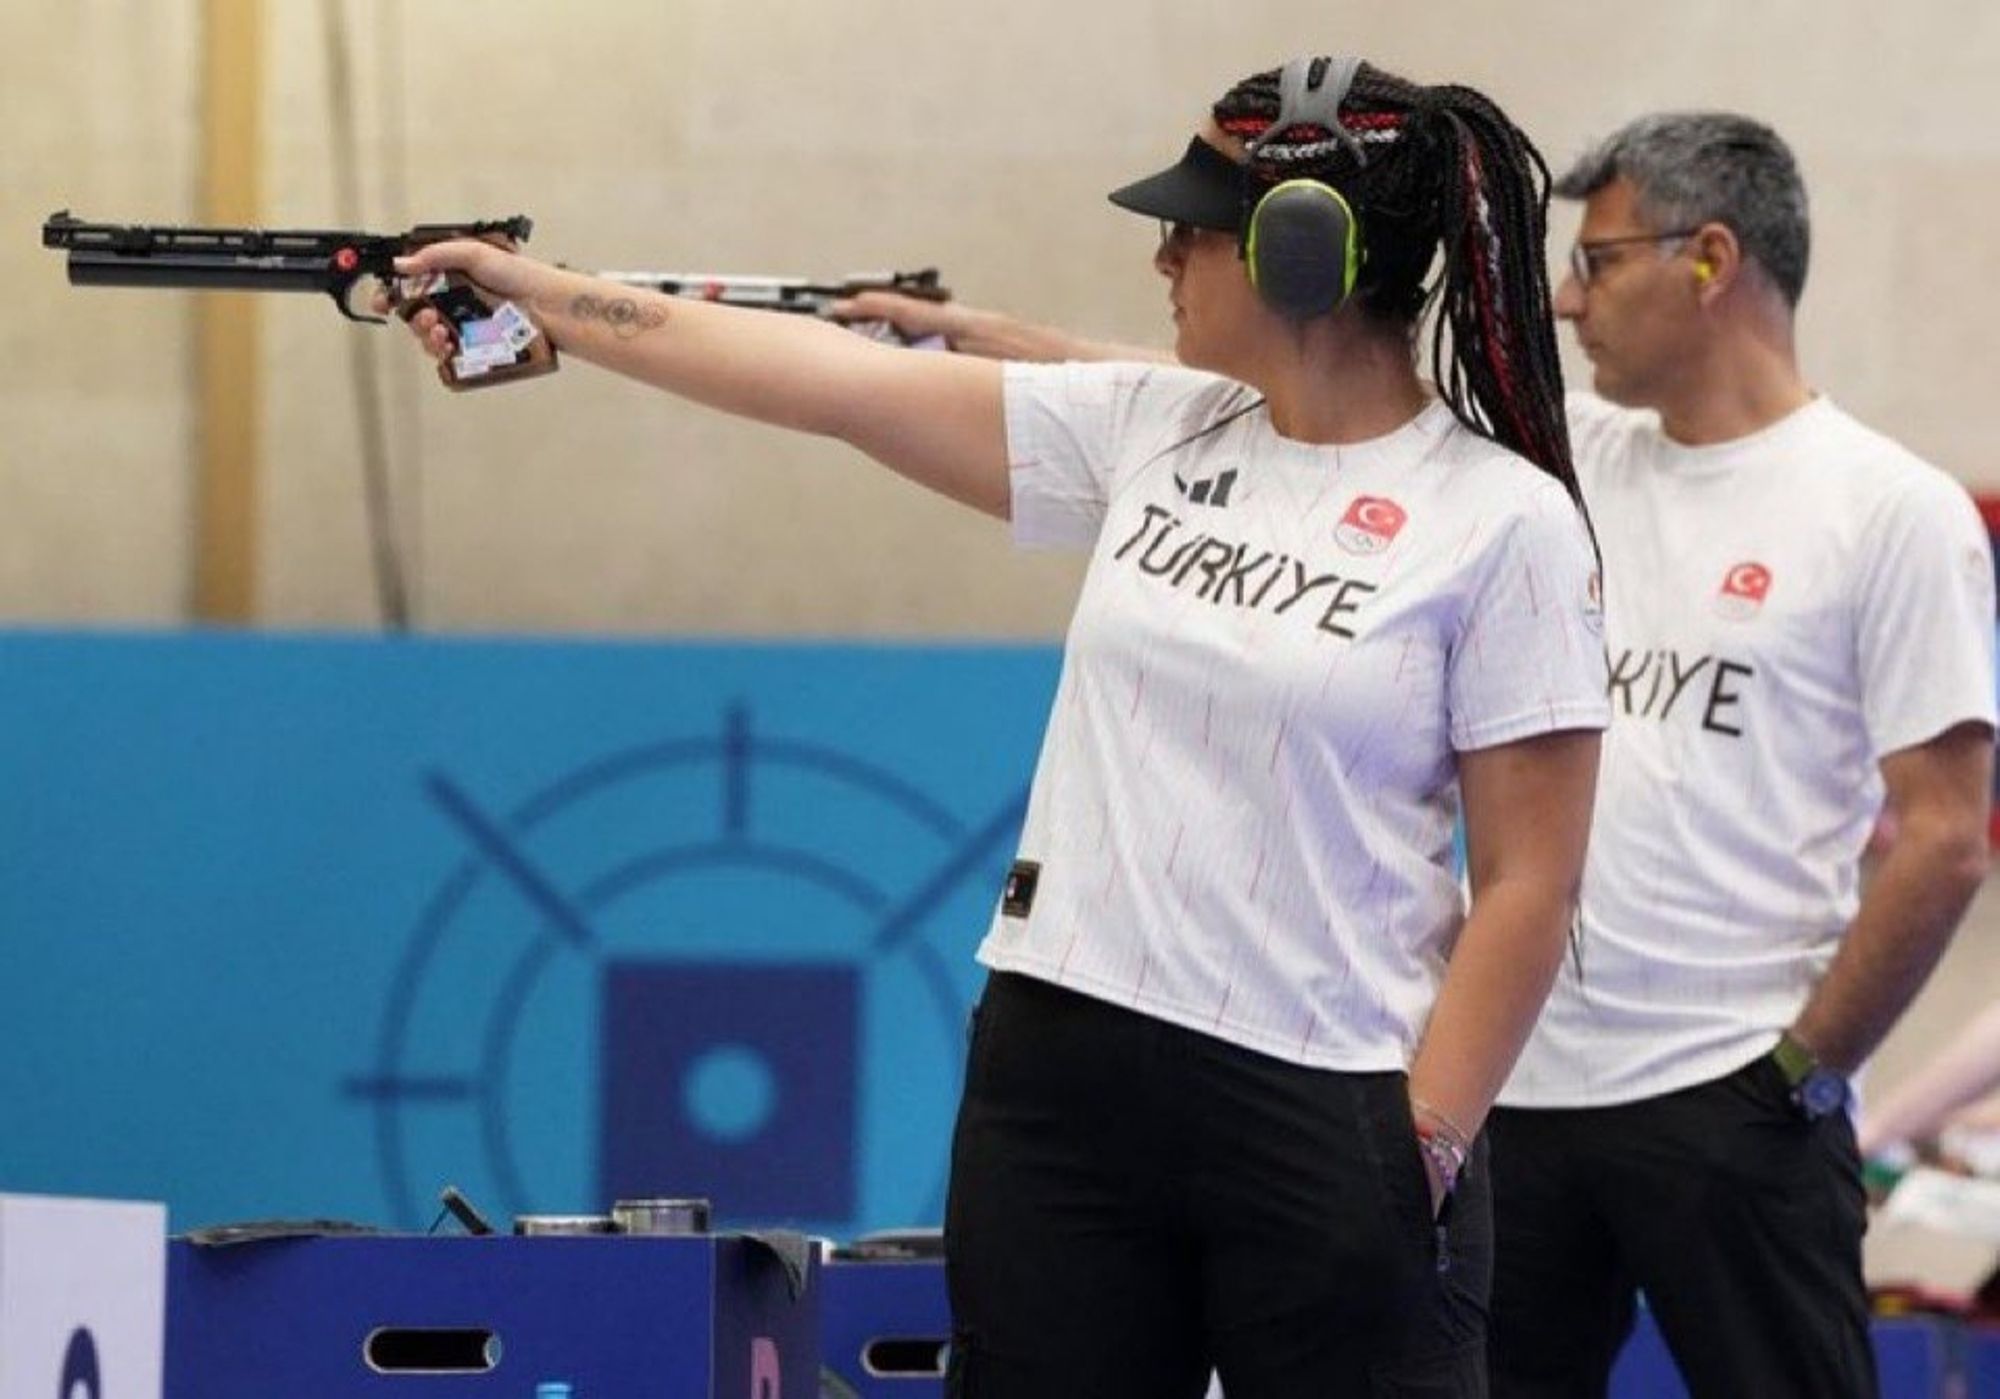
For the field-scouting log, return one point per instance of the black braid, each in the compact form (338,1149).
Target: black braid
(1442,166)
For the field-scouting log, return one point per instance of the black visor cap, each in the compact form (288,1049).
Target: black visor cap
(1204,188)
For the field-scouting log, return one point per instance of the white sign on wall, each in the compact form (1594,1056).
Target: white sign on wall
(82,1298)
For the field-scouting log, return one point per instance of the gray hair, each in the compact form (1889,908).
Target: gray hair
(1691,168)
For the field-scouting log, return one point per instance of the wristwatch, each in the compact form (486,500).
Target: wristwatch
(1816,1090)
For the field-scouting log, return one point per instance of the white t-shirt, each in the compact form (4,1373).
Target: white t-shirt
(1781,612)
(1242,816)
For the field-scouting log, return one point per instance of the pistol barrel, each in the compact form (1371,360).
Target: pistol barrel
(199,271)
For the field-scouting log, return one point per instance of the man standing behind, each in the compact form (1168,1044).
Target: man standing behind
(1799,618)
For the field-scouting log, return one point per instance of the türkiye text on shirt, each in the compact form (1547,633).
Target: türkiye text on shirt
(1240,575)
(1648,684)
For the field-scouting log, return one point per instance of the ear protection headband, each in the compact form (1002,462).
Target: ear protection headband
(1300,239)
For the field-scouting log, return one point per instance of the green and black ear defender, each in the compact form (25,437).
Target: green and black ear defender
(1300,239)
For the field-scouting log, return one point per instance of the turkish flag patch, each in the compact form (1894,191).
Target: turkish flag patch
(1370,525)
(1744,588)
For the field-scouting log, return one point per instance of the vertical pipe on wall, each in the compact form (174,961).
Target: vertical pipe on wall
(226,326)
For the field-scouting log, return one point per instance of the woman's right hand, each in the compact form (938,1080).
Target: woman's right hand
(504,275)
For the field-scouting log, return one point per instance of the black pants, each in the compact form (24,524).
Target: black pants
(1740,1222)
(1133,1203)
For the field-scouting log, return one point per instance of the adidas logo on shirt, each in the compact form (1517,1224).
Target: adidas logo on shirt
(1212,491)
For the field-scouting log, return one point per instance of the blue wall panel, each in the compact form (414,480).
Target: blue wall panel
(313,926)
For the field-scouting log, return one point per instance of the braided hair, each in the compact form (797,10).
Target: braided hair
(1431,167)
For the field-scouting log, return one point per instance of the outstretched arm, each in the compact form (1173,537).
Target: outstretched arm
(936,419)
(988,334)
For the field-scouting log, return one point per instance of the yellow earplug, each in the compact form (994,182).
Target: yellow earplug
(1704,271)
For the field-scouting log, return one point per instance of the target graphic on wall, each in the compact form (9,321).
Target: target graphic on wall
(735,965)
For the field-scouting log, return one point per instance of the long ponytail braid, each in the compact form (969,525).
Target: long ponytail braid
(1430,168)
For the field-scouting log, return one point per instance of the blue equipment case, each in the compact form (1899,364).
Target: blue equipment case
(884,1325)
(1982,1361)
(1913,1354)
(456,1317)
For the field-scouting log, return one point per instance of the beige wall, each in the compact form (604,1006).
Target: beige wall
(95,413)
(817,138)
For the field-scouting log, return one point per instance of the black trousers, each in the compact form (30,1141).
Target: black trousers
(1739,1221)
(1133,1203)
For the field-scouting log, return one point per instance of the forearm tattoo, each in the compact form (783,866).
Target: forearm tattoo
(622,314)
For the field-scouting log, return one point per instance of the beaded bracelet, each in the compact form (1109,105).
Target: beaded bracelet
(1446,1156)
(1443,1143)
(1420,1108)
